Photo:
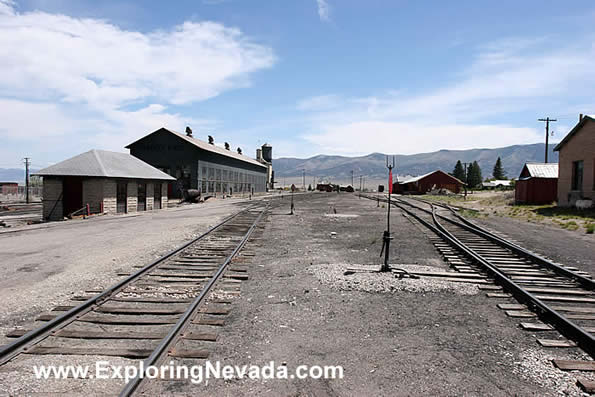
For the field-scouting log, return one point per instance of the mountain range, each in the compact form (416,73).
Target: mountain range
(373,166)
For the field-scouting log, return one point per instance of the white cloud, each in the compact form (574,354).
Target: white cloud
(505,79)
(323,10)
(319,103)
(358,138)
(66,74)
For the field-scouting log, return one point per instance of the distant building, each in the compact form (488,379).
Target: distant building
(203,165)
(324,187)
(425,183)
(537,184)
(9,187)
(577,163)
(108,182)
(498,183)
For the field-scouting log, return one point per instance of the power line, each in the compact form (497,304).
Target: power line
(547,133)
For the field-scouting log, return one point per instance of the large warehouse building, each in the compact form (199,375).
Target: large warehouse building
(203,165)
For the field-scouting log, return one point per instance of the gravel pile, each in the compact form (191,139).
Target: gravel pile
(538,367)
(333,276)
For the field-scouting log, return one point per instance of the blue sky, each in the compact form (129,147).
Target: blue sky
(308,76)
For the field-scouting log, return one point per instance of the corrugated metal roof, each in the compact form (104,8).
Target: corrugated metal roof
(208,147)
(102,163)
(417,178)
(542,170)
(497,182)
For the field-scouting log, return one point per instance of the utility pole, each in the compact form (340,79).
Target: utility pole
(27,163)
(351,178)
(304,178)
(547,133)
(360,183)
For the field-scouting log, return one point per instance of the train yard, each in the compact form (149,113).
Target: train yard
(485,317)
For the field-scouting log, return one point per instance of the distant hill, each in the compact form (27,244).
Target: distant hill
(374,165)
(12,175)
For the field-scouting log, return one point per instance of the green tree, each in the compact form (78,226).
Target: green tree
(498,172)
(474,177)
(459,171)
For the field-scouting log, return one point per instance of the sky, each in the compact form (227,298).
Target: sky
(335,77)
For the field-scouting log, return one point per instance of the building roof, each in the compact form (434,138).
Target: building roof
(576,128)
(497,182)
(205,146)
(101,163)
(542,170)
(420,177)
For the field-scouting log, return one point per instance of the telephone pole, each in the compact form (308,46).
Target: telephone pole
(304,178)
(27,163)
(547,133)
(351,178)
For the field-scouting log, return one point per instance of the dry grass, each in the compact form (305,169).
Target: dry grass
(501,203)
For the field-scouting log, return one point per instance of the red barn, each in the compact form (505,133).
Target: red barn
(537,184)
(425,183)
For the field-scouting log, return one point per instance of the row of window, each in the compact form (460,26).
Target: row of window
(216,178)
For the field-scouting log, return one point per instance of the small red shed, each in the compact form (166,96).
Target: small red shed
(537,184)
(424,183)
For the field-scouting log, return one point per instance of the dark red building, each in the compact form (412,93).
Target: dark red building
(9,187)
(424,183)
(537,184)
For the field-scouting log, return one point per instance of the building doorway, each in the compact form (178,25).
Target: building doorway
(157,196)
(142,197)
(72,200)
(121,197)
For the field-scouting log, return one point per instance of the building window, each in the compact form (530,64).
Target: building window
(577,175)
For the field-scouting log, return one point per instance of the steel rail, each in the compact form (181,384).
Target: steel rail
(468,225)
(566,327)
(190,312)
(587,283)
(10,350)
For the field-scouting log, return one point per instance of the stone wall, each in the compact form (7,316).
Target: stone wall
(132,196)
(109,196)
(150,197)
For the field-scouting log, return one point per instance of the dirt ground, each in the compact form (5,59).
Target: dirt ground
(391,337)
(42,266)
(434,342)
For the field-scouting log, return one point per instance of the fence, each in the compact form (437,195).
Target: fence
(17,193)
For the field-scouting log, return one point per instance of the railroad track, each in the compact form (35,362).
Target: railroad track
(159,312)
(551,298)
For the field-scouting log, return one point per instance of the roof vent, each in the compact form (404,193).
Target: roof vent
(580,117)
(189,132)
(211,140)
(239,150)
(226,146)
